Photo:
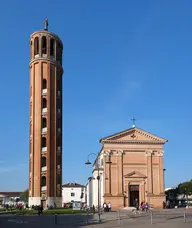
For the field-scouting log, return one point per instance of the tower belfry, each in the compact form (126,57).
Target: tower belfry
(45,158)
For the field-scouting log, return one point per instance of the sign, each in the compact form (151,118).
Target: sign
(76,206)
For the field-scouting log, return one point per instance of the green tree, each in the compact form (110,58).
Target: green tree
(172,194)
(185,188)
(24,195)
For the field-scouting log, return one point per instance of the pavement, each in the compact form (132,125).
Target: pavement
(171,218)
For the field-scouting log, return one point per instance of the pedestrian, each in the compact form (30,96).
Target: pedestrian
(146,207)
(105,207)
(143,206)
(93,209)
(109,206)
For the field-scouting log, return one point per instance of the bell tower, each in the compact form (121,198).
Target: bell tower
(45,157)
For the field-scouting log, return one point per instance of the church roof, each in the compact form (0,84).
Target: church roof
(72,185)
(133,135)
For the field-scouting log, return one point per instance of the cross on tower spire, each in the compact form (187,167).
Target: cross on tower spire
(133,120)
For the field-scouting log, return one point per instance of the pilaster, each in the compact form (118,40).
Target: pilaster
(149,172)
(142,191)
(119,154)
(161,173)
(107,155)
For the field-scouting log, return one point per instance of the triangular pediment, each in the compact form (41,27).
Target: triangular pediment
(133,135)
(135,174)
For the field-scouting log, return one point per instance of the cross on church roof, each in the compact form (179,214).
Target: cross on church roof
(133,120)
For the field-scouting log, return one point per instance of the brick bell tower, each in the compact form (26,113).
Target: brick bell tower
(45,158)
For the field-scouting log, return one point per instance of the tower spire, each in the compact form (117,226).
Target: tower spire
(46,24)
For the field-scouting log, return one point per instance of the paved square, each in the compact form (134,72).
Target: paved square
(160,218)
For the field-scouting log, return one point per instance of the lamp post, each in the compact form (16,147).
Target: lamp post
(97,165)
(164,178)
(186,196)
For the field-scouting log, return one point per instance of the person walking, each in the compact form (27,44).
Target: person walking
(109,206)
(105,207)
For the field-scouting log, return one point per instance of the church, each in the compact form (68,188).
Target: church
(129,166)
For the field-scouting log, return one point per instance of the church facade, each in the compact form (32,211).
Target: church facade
(130,166)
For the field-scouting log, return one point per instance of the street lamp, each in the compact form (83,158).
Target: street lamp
(164,178)
(98,178)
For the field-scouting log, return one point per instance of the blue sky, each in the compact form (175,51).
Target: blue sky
(121,58)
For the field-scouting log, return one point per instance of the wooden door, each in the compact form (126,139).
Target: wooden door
(133,194)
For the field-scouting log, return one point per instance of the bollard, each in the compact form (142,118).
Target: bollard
(184,215)
(87,216)
(119,217)
(55,219)
(151,217)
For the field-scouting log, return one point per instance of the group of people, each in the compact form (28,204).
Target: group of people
(143,206)
(107,207)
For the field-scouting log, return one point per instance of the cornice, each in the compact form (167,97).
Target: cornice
(131,142)
(48,60)
(156,139)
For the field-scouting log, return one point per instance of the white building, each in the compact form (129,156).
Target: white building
(89,190)
(9,197)
(73,192)
(92,185)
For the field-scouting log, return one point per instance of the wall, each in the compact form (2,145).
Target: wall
(90,193)
(66,194)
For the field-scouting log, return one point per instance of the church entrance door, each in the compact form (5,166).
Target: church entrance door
(133,194)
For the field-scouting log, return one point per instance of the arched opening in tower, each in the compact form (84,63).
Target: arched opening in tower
(44,142)
(44,84)
(36,46)
(31,54)
(52,47)
(44,103)
(43,181)
(59,53)
(59,142)
(43,161)
(44,122)
(58,81)
(44,45)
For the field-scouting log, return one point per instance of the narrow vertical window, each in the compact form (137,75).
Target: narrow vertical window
(36,45)
(52,47)
(44,84)
(31,49)
(44,122)
(43,181)
(44,103)
(44,45)
(43,161)
(44,142)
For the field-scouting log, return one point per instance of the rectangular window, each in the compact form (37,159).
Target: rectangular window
(72,194)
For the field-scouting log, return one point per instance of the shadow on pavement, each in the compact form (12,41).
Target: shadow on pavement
(86,220)
(47,220)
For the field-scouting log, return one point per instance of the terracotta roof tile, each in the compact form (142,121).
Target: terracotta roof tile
(72,185)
